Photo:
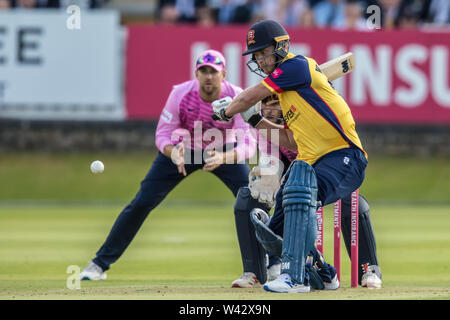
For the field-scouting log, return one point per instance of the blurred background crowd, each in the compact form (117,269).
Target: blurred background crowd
(336,14)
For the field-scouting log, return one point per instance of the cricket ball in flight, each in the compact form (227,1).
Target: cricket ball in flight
(97,166)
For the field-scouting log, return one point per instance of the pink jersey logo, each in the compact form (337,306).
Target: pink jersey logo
(277,72)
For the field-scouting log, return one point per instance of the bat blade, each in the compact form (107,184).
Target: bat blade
(338,67)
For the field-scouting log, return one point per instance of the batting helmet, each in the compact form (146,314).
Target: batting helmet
(263,34)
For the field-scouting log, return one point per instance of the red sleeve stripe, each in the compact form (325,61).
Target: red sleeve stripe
(272,84)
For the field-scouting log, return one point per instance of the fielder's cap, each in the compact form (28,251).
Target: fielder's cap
(210,58)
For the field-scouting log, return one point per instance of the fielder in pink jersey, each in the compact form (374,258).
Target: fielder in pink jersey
(188,140)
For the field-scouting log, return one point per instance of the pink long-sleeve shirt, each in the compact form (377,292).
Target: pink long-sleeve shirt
(186,117)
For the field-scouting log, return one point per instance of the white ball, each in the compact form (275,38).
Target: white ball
(97,166)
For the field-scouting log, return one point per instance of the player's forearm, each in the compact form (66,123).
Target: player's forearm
(276,132)
(247,99)
(240,104)
(231,156)
(167,151)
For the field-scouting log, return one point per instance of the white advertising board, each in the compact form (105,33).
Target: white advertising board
(55,67)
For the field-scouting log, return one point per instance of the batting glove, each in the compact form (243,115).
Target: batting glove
(219,107)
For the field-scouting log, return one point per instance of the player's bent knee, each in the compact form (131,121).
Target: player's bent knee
(271,242)
(144,204)
(363,208)
(245,202)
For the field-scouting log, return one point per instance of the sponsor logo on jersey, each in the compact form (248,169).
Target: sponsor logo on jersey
(291,115)
(276,73)
(166,116)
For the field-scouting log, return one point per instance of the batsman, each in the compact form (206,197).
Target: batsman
(319,125)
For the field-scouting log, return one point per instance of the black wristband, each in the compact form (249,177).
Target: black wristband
(224,116)
(255,119)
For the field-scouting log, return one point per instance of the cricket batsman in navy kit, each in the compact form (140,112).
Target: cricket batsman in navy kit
(251,210)
(331,161)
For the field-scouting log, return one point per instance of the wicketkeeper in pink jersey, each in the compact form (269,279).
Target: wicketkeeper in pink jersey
(188,140)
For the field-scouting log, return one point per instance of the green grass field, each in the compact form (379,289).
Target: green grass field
(55,213)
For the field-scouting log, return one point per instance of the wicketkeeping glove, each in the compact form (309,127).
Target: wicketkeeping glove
(219,107)
(264,179)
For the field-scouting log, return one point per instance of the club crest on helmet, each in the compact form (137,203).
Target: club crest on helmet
(251,37)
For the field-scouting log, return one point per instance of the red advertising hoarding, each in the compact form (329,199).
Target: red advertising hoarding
(400,76)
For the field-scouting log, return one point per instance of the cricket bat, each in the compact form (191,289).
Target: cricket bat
(338,67)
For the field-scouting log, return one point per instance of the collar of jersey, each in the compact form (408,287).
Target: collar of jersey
(288,56)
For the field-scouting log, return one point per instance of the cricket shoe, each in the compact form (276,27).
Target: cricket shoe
(371,277)
(333,285)
(370,280)
(93,272)
(273,272)
(247,280)
(284,284)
